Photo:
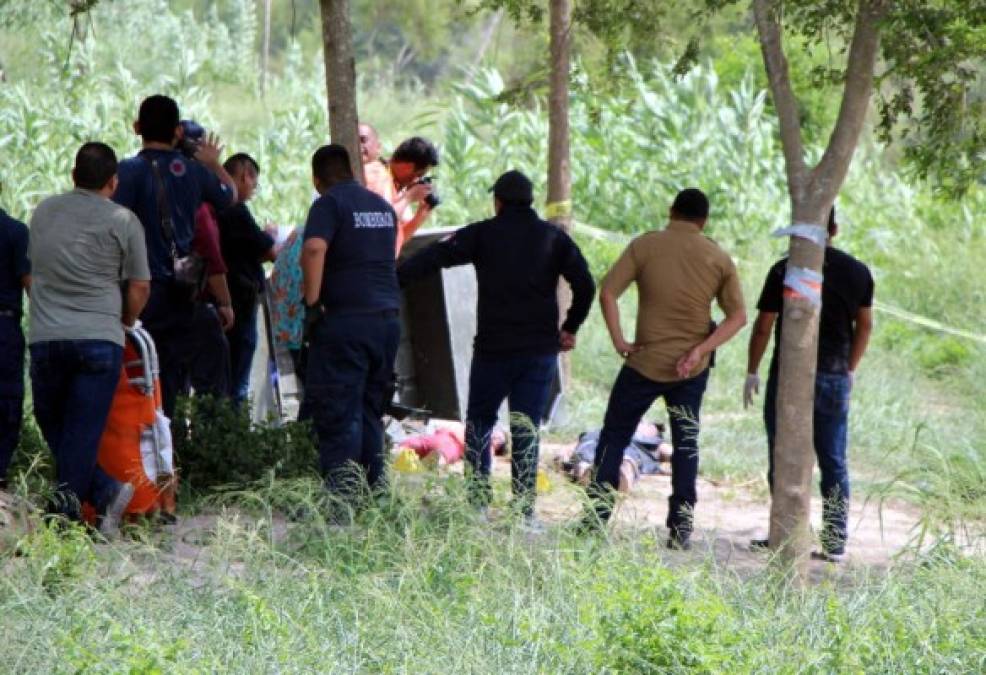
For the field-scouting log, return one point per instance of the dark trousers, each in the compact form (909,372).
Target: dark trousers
(11,389)
(168,317)
(209,366)
(525,382)
(831,436)
(350,375)
(242,345)
(631,397)
(73,382)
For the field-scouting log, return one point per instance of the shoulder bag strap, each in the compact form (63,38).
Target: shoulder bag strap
(167,227)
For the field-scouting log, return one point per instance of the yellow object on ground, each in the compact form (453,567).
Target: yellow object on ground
(543,482)
(407,461)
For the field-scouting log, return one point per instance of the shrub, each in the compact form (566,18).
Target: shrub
(216,444)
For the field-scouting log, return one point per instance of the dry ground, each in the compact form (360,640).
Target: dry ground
(726,518)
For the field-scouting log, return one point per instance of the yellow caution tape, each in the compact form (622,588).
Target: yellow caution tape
(558,209)
(896,312)
(927,323)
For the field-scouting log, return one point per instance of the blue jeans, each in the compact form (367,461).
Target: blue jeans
(242,345)
(632,395)
(525,382)
(73,382)
(831,435)
(350,373)
(11,389)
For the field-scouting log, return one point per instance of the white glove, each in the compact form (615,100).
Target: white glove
(750,387)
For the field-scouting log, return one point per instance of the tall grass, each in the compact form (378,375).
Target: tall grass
(418,585)
(428,590)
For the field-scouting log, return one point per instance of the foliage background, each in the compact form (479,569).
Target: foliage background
(918,422)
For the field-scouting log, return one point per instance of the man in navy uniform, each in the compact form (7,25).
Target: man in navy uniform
(352,301)
(15,278)
(161,174)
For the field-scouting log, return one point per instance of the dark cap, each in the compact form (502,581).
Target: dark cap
(513,187)
(192,130)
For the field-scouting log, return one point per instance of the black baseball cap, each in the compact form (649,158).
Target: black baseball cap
(192,130)
(513,187)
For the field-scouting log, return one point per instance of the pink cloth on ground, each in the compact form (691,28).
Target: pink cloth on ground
(443,441)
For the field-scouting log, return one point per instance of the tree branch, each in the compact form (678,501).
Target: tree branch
(775,63)
(828,176)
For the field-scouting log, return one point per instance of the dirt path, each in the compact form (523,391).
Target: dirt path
(726,519)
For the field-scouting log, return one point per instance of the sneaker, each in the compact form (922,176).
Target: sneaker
(759,544)
(109,527)
(679,544)
(825,556)
(680,541)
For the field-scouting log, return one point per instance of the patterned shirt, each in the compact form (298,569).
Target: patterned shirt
(285,292)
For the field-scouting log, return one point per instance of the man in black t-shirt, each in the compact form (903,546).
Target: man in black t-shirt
(844,330)
(352,301)
(245,248)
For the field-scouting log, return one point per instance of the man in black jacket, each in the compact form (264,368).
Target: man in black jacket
(519,259)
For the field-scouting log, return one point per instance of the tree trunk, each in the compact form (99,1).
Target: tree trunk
(265,50)
(812,194)
(340,79)
(559,208)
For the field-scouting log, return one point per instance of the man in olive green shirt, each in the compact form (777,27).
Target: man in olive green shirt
(678,272)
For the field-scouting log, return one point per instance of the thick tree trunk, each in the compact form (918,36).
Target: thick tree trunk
(340,79)
(812,194)
(559,208)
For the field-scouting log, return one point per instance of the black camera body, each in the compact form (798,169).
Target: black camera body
(432,200)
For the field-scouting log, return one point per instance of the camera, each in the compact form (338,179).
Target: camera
(432,200)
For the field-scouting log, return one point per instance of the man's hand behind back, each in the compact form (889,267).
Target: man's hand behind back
(226,317)
(566,341)
(624,348)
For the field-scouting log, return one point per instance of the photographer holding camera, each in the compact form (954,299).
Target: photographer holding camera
(402,181)
(165,189)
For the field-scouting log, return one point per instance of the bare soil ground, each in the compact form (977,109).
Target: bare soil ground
(727,517)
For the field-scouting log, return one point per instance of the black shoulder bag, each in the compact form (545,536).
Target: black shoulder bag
(189,270)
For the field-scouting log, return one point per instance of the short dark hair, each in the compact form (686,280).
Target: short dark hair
(691,204)
(95,165)
(238,161)
(158,118)
(331,164)
(419,151)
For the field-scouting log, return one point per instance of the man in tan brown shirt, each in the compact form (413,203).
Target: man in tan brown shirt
(678,272)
